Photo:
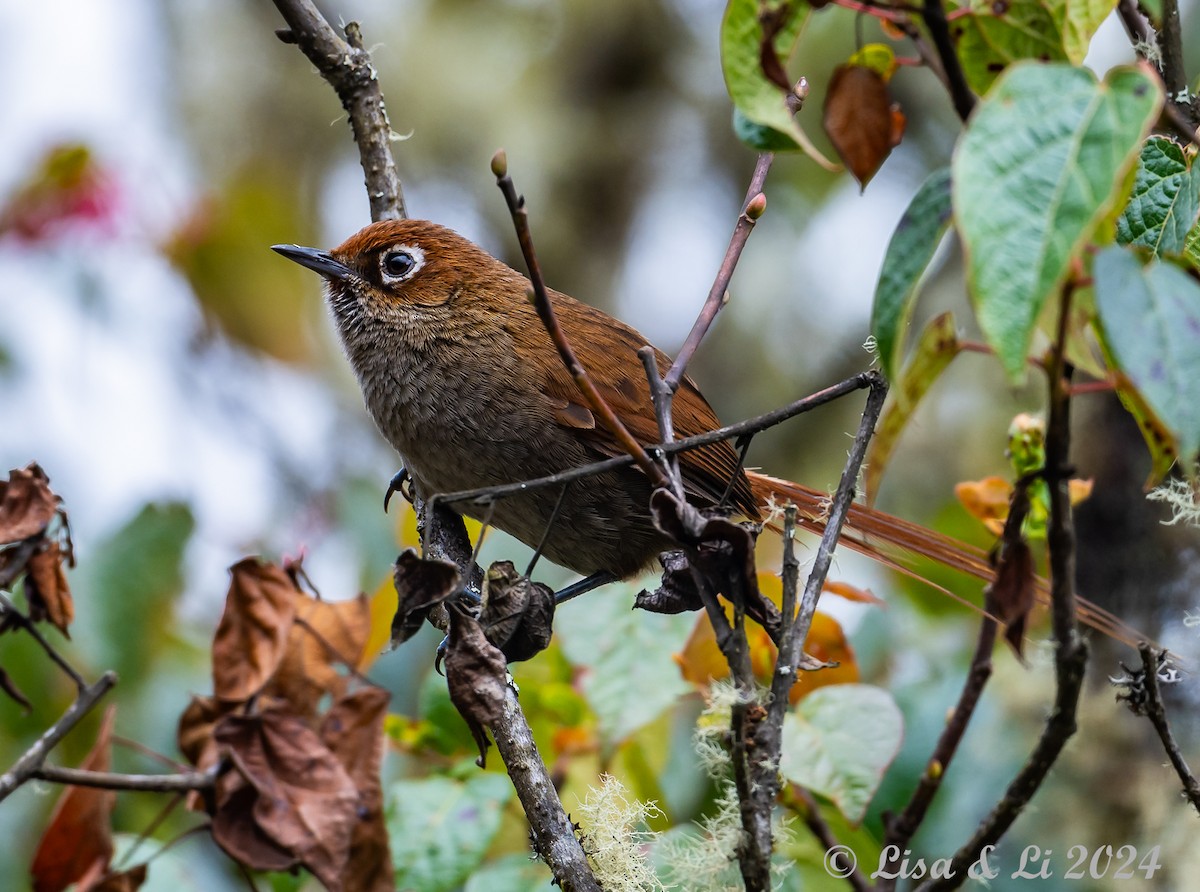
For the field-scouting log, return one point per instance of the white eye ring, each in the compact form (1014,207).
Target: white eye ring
(400,263)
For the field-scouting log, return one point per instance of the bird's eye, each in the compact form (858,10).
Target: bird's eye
(398,264)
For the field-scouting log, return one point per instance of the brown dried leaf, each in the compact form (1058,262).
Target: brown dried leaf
(121,881)
(353,731)
(860,120)
(677,594)
(298,804)
(421,584)
(253,633)
(517,614)
(477,676)
(1012,591)
(46,588)
(325,635)
(80,831)
(26,504)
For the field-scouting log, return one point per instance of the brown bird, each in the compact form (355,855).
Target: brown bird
(462,379)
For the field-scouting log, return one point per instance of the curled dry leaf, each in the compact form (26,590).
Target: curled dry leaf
(288,799)
(677,594)
(79,835)
(353,731)
(517,613)
(860,120)
(47,590)
(476,674)
(1012,591)
(324,637)
(26,504)
(253,633)
(421,584)
(115,881)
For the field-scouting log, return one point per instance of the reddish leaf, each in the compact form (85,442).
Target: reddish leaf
(80,832)
(46,588)
(298,804)
(860,120)
(67,187)
(353,731)
(324,636)
(253,633)
(477,676)
(26,504)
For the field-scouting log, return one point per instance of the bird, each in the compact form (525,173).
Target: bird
(461,377)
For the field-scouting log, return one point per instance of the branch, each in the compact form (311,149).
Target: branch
(545,311)
(1070,656)
(33,758)
(860,381)
(934,15)
(346,66)
(34,632)
(145,783)
(1157,714)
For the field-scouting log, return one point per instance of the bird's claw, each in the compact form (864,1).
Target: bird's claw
(396,485)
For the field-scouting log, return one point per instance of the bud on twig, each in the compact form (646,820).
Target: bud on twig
(500,164)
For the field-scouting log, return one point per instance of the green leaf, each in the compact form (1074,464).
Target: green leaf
(1191,247)
(1045,162)
(1165,199)
(440,829)
(759,101)
(994,35)
(620,648)
(1150,316)
(133,579)
(937,345)
(839,741)
(913,243)
(1078,20)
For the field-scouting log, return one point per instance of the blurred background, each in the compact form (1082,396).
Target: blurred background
(182,386)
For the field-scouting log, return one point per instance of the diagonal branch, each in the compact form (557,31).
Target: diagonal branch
(1157,714)
(346,66)
(934,15)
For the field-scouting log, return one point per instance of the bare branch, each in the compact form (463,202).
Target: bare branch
(36,755)
(860,381)
(934,15)
(34,632)
(545,311)
(1157,713)
(145,783)
(346,66)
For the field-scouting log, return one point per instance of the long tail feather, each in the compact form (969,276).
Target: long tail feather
(871,532)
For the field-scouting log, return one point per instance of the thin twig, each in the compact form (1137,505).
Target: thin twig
(145,783)
(35,756)
(1157,714)
(346,66)
(811,815)
(860,381)
(934,15)
(1070,657)
(34,632)
(545,311)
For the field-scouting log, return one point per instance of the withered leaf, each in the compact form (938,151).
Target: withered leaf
(325,636)
(80,832)
(421,584)
(252,636)
(719,548)
(1012,591)
(298,801)
(26,504)
(517,614)
(860,120)
(115,881)
(353,731)
(677,594)
(477,676)
(46,588)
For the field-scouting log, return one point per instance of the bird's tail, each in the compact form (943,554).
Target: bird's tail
(894,542)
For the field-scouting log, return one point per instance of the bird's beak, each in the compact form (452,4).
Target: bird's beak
(318,261)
